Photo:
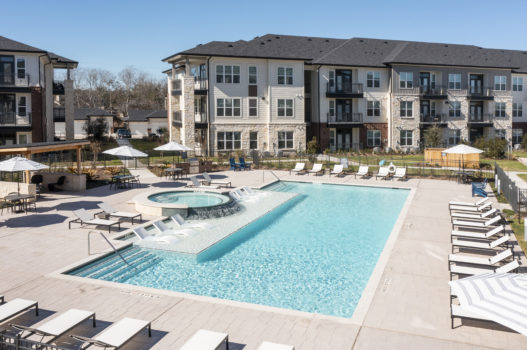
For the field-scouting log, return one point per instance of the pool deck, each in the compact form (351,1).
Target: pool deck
(409,307)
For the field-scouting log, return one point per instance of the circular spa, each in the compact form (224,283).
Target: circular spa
(192,204)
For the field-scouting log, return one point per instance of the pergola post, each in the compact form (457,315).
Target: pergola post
(79,170)
(28,156)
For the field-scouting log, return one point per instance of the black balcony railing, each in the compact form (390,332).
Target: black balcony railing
(480,92)
(200,83)
(480,118)
(345,118)
(433,91)
(345,90)
(14,80)
(12,119)
(433,119)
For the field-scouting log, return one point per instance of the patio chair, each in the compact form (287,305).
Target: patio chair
(241,196)
(480,245)
(135,180)
(481,208)
(252,193)
(15,307)
(457,311)
(111,211)
(57,326)
(146,236)
(298,169)
(383,173)
(5,205)
(470,271)
(54,187)
(274,346)
(400,173)
(468,204)
(197,184)
(165,230)
(206,340)
(234,166)
(477,224)
(117,335)
(244,165)
(84,218)
(480,260)
(363,171)
(209,181)
(180,222)
(338,170)
(489,234)
(317,169)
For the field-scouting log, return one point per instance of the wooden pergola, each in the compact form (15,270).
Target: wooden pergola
(42,147)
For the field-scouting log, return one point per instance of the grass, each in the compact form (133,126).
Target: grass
(499,197)
(523,177)
(517,226)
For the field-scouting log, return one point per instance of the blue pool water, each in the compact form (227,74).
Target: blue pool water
(314,253)
(192,199)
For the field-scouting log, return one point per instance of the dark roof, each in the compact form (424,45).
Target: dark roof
(7,44)
(84,113)
(362,52)
(137,115)
(60,59)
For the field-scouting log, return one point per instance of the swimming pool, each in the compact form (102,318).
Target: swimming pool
(192,199)
(314,253)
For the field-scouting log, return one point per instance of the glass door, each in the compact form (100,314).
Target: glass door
(476,84)
(347,144)
(7,109)
(7,70)
(424,81)
(425,110)
(476,112)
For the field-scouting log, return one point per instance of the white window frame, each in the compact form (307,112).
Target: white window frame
(331,80)
(250,75)
(517,83)
(286,139)
(224,107)
(500,109)
(517,133)
(406,80)
(406,137)
(26,134)
(20,71)
(454,136)
(433,108)
(20,106)
(454,109)
(234,78)
(408,112)
(500,82)
(226,139)
(372,136)
(331,108)
(373,106)
(285,108)
(286,76)
(249,108)
(517,110)
(454,81)
(373,79)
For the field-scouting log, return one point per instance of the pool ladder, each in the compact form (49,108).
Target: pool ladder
(109,243)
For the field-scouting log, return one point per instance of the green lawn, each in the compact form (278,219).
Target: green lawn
(517,228)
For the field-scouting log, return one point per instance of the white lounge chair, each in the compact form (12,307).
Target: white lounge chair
(317,169)
(400,173)
(364,170)
(239,195)
(338,170)
(457,311)
(197,184)
(55,327)
(252,193)
(479,235)
(117,335)
(481,208)
(383,173)
(180,222)
(486,223)
(146,236)
(266,345)
(469,270)
(464,243)
(108,209)
(206,340)
(16,307)
(209,181)
(84,218)
(478,260)
(165,230)
(469,204)
(475,216)
(298,169)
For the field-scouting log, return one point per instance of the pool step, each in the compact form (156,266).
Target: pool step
(89,269)
(125,271)
(117,265)
(140,267)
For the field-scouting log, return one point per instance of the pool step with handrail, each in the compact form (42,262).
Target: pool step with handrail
(88,269)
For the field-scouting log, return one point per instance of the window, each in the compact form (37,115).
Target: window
(228,107)
(373,79)
(285,139)
(20,68)
(252,75)
(22,109)
(517,136)
(373,138)
(454,109)
(253,140)
(253,107)
(229,140)
(500,82)
(407,109)
(285,107)
(406,80)
(500,133)
(227,74)
(454,81)
(406,137)
(331,80)
(517,84)
(517,110)
(331,108)
(499,109)
(285,76)
(332,138)
(433,109)
(22,139)
(454,136)
(374,108)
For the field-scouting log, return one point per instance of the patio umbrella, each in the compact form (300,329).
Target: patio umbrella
(173,147)
(501,298)
(462,149)
(20,164)
(126,151)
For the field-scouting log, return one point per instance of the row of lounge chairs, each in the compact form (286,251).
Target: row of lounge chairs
(208,182)
(209,340)
(246,194)
(338,170)
(478,227)
(84,218)
(169,234)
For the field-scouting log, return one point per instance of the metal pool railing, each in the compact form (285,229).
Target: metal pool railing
(517,197)
(15,342)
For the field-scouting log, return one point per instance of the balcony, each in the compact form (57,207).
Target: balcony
(345,118)
(14,80)
(59,114)
(200,120)
(200,86)
(11,119)
(481,119)
(438,119)
(433,93)
(177,121)
(176,87)
(345,91)
(480,93)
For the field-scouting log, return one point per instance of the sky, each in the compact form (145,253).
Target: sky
(114,34)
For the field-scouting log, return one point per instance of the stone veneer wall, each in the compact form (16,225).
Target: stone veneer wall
(399,123)
(187,129)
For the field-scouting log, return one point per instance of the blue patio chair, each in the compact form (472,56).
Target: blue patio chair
(478,190)
(243,165)
(234,166)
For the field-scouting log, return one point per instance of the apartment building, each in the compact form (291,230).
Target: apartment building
(275,92)
(30,98)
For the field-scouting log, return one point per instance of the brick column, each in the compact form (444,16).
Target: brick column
(69,110)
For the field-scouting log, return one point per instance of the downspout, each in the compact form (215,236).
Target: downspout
(208,107)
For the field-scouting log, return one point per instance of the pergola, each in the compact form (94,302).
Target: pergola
(27,150)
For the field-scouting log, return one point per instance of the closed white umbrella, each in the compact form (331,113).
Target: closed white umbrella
(126,151)
(20,164)
(173,147)
(501,298)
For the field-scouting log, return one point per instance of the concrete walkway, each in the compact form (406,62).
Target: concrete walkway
(409,309)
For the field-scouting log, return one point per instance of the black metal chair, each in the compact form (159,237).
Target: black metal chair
(56,186)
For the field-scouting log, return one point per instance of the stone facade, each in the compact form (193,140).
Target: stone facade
(187,128)
(69,110)
(405,123)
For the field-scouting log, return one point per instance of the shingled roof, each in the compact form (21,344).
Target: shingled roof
(10,45)
(137,115)
(362,52)
(84,113)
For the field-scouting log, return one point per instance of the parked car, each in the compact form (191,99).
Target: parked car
(123,134)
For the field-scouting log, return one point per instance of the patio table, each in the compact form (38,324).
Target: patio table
(174,172)
(21,199)
(123,180)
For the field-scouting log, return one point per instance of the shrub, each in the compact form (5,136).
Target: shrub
(494,148)
(524,143)
(433,136)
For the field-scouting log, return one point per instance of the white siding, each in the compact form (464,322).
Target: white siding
(138,129)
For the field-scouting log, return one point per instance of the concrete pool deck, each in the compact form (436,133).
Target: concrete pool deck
(409,307)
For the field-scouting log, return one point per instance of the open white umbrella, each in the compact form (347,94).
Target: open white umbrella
(462,149)
(126,151)
(20,164)
(173,147)
(501,298)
